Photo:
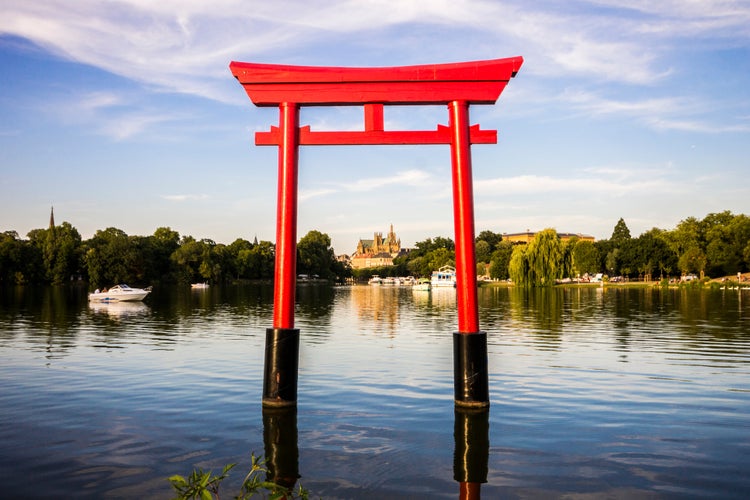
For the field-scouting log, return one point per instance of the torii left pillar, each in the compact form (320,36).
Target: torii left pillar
(282,341)
(455,85)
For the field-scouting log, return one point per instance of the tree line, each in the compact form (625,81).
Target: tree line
(717,245)
(58,254)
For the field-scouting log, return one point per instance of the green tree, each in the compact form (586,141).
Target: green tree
(109,257)
(315,255)
(60,247)
(483,251)
(585,258)
(727,236)
(500,260)
(545,258)
(687,243)
(693,260)
(649,254)
(11,258)
(258,262)
(234,266)
(162,244)
(613,263)
(440,257)
(518,267)
(540,262)
(188,258)
(430,255)
(491,238)
(621,233)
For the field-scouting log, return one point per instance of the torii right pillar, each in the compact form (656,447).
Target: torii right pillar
(470,372)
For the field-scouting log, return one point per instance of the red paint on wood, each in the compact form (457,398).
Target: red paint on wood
(463,219)
(442,135)
(374,117)
(476,82)
(285,269)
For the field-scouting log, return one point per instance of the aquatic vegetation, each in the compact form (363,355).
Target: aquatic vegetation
(205,485)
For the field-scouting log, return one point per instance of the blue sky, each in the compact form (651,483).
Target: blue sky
(124,114)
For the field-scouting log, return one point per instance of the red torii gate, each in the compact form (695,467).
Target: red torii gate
(455,85)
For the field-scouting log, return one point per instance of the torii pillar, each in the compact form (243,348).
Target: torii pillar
(457,86)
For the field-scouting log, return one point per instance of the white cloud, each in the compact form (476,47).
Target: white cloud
(308,194)
(612,182)
(406,178)
(185,197)
(186,45)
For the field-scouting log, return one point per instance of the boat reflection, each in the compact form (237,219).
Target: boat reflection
(471,432)
(119,309)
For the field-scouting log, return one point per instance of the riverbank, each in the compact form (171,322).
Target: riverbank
(725,282)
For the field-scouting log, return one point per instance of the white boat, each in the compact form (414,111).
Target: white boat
(375,280)
(120,293)
(198,285)
(444,277)
(422,285)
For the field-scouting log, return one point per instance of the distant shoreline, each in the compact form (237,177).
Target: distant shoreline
(714,283)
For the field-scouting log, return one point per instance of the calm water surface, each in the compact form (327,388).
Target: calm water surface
(595,393)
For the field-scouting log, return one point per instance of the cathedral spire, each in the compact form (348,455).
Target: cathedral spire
(52,218)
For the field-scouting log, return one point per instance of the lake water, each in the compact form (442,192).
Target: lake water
(595,393)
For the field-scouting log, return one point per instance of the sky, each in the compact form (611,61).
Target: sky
(123,113)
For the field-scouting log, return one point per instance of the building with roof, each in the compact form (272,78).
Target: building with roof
(377,252)
(529,235)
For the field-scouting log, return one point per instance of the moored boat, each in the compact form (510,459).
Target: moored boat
(444,277)
(121,293)
(375,280)
(422,285)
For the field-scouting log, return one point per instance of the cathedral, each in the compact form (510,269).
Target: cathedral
(376,252)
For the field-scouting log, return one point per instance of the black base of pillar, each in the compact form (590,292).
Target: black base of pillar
(280,374)
(471,432)
(470,369)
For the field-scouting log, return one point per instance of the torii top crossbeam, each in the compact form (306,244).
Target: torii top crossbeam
(476,82)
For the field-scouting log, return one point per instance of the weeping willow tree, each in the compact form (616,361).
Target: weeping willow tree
(540,262)
(518,267)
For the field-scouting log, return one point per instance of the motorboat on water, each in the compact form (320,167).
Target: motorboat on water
(422,285)
(375,280)
(198,286)
(120,293)
(444,277)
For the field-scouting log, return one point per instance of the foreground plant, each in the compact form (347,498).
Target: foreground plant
(202,485)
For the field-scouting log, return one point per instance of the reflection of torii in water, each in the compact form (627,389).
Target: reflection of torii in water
(455,85)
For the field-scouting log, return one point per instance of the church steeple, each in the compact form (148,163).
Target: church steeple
(52,218)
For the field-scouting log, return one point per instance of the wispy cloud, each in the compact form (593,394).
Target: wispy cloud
(405,179)
(613,182)
(185,46)
(185,197)
(308,194)
(111,114)
(660,113)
